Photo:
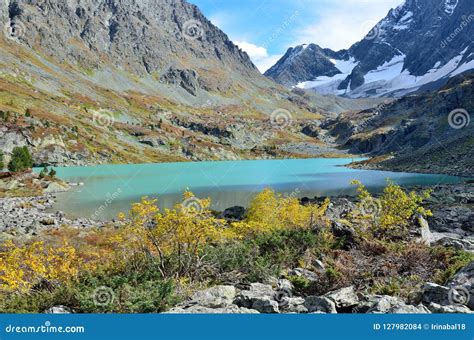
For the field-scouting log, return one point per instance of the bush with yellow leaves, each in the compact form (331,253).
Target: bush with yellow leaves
(270,211)
(172,237)
(388,216)
(23,267)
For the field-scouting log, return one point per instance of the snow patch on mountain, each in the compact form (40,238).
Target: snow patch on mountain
(404,22)
(388,70)
(391,78)
(327,85)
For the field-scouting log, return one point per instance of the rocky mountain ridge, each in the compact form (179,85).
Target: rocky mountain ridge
(77,88)
(430,132)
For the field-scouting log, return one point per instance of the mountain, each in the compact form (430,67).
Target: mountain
(418,45)
(116,81)
(429,132)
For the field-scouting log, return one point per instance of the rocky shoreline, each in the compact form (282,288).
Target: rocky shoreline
(396,164)
(452,223)
(27,215)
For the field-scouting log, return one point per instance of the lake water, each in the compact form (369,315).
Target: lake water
(110,189)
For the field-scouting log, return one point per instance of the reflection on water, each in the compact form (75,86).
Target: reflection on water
(110,189)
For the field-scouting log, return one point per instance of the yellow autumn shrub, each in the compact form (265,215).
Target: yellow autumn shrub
(21,267)
(390,214)
(270,211)
(181,231)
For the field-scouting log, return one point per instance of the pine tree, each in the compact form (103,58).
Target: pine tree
(21,159)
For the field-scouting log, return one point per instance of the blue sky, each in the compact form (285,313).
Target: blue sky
(266,28)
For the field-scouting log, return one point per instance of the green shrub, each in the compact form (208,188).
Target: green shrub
(2,164)
(44,172)
(263,256)
(131,291)
(21,159)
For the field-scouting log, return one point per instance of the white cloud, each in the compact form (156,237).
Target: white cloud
(254,51)
(343,23)
(259,55)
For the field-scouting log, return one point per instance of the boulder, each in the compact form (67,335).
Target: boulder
(293,305)
(321,304)
(215,297)
(53,187)
(58,310)
(235,213)
(422,231)
(184,78)
(339,208)
(344,297)
(266,305)
(392,305)
(463,283)
(456,295)
(344,232)
(436,308)
(259,297)
(231,309)
(301,272)
(456,243)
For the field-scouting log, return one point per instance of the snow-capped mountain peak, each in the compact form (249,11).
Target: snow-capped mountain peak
(419,44)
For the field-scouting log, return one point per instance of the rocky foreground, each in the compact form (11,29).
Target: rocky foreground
(279,298)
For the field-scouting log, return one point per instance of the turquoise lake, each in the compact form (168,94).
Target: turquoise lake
(110,189)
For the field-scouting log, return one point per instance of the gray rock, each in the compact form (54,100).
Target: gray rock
(320,304)
(436,308)
(463,283)
(445,296)
(233,213)
(58,310)
(456,243)
(54,187)
(231,309)
(301,272)
(259,297)
(422,229)
(187,79)
(265,305)
(408,309)
(293,305)
(344,297)
(348,234)
(215,297)
(28,215)
(392,305)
